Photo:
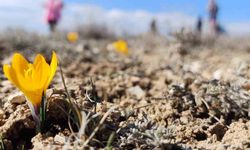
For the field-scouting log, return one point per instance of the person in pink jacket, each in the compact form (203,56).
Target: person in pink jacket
(53,13)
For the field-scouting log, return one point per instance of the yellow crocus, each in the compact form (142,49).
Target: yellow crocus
(31,79)
(121,46)
(72,37)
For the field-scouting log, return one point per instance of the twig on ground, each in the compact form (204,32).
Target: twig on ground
(93,97)
(99,125)
(211,115)
(73,107)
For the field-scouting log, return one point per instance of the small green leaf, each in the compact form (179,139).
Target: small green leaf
(110,140)
(1,143)
(77,118)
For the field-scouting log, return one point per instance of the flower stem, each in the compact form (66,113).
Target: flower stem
(42,112)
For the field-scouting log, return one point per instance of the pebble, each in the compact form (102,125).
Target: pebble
(221,147)
(135,80)
(136,91)
(184,120)
(17,98)
(59,139)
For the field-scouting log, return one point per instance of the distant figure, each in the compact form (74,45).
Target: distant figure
(153,27)
(53,13)
(199,25)
(220,29)
(213,12)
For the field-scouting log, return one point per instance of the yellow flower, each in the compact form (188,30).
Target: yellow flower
(72,37)
(31,79)
(121,46)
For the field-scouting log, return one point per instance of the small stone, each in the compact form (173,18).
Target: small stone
(184,120)
(246,86)
(49,92)
(136,91)
(135,80)
(96,50)
(59,139)
(5,83)
(6,86)
(80,47)
(145,83)
(218,74)
(18,98)
(50,139)
(160,83)
(221,147)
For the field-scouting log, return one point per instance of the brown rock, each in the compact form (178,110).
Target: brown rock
(17,98)
(219,130)
(135,80)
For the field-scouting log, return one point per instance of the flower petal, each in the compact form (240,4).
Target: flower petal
(11,75)
(53,67)
(18,80)
(39,58)
(44,72)
(41,72)
(34,97)
(19,63)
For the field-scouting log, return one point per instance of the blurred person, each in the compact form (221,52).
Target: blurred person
(220,29)
(53,13)
(213,12)
(153,26)
(199,25)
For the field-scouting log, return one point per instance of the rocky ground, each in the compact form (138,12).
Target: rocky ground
(168,94)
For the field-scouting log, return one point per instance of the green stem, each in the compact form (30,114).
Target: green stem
(42,112)
(73,107)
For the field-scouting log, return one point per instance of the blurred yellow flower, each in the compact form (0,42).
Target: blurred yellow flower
(32,79)
(121,46)
(72,37)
